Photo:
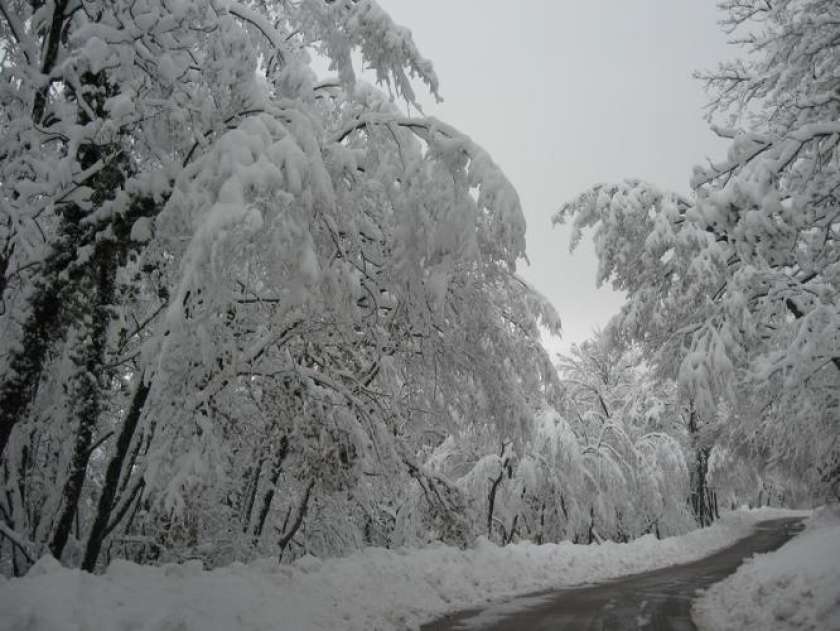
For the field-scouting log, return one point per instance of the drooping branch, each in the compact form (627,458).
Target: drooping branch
(261,24)
(798,314)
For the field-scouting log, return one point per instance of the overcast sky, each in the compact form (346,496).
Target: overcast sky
(568,94)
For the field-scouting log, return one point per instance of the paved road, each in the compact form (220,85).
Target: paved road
(653,601)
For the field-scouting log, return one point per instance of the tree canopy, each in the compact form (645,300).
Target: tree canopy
(735,287)
(234,292)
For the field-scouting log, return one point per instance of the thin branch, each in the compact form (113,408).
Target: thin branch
(19,33)
(99,442)
(26,547)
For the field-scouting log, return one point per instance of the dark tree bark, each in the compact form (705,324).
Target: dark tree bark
(46,321)
(112,475)
(51,44)
(251,493)
(288,535)
(41,329)
(512,532)
(7,251)
(699,492)
(274,476)
(494,487)
(85,389)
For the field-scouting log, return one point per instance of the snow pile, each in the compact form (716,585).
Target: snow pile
(795,587)
(373,589)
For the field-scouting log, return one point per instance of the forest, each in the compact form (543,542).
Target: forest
(250,311)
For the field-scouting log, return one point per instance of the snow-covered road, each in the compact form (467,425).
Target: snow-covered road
(373,589)
(654,601)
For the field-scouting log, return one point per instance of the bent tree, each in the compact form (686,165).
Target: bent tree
(239,300)
(734,289)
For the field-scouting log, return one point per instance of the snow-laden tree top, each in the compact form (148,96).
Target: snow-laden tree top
(224,276)
(739,284)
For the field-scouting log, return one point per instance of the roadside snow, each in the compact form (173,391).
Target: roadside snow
(375,589)
(797,587)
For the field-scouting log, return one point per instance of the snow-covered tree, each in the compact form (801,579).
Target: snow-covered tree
(235,294)
(634,437)
(605,459)
(735,289)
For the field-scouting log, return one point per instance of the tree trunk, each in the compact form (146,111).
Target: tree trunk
(277,467)
(494,487)
(699,494)
(85,390)
(112,475)
(491,500)
(287,536)
(251,492)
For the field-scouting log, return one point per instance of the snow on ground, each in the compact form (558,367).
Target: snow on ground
(372,590)
(797,587)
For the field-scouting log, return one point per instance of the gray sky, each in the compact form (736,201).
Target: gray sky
(568,94)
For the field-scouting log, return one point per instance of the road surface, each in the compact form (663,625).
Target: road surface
(654,601)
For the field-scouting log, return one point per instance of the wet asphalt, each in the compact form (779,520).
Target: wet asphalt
(659,600)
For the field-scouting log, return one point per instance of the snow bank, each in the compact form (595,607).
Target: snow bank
(374,589)
(795,587)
